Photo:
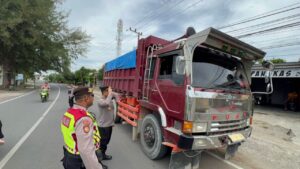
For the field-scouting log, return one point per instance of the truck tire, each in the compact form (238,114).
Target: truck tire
(116,117)
(151,138)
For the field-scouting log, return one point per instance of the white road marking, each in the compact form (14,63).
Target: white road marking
(9,155)
(225,161)
(17,97)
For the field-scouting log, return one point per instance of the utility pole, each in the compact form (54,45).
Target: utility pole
(119,37)
(139,34)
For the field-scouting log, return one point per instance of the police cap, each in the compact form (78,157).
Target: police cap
(81,91)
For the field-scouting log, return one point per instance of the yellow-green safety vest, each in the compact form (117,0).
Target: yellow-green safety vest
(68,129)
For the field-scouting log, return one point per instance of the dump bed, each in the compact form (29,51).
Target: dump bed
(125,73)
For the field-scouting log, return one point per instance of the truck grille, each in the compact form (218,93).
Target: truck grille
(227,126)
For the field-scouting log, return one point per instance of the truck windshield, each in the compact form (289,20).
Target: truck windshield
(213,70)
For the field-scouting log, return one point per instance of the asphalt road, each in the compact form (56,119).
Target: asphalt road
(34,141)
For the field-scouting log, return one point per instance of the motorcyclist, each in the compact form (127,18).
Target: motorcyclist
(46,87)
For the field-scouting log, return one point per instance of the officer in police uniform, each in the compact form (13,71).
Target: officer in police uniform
(80,133)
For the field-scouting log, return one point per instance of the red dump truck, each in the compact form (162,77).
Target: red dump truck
(188,95)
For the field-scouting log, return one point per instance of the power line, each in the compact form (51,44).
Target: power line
(278,42)
(179,12)
(282,38)
(269,30)
(274,33)
(266,23)
(263,15)
(159,13)
(269,26)
(149,14)
(186,9)
(281,45)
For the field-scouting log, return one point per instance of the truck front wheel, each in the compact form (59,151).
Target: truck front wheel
(116,117)
(151,138)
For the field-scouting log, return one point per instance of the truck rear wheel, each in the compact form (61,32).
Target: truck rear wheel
(151,138)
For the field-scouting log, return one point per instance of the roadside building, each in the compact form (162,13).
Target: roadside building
(286,79)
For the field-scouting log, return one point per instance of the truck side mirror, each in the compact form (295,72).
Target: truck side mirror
(180,65)
(268,89)
(267,76)
(267,65)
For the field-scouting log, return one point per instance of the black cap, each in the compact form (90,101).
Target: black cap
(80,91)
(103,88)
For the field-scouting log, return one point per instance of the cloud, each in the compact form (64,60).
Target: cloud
(164,18)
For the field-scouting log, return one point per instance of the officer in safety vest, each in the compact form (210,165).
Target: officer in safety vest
(80,133)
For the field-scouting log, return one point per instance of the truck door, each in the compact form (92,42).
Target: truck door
(168,89)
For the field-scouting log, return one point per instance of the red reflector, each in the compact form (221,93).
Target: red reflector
(227,116)
(237,116)
(245,114)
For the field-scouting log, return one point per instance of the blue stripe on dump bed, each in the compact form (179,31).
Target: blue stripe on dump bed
(125,61)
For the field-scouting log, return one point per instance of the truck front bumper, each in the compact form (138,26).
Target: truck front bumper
(209,142)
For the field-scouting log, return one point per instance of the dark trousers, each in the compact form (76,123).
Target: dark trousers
(71,101)
(105,133)
(71,161)
(1,134)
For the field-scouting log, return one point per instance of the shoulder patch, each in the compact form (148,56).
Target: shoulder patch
(66,121)
(86,125)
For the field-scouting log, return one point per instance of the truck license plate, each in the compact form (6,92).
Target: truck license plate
(236,137)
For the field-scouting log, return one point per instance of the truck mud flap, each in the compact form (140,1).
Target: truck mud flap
(185,160)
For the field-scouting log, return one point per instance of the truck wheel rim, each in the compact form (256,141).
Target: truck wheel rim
(149,135)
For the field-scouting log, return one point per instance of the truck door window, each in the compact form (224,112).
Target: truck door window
(168,69)
(152,68)
(166,64)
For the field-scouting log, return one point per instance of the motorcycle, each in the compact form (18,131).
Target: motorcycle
(44,95)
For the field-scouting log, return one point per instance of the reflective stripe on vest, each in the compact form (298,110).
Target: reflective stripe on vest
(68,129)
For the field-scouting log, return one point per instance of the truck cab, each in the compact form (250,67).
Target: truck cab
(201,86)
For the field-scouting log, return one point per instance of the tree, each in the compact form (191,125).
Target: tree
(34,37)
(101,73)
(84,75)
(56,78)
(275,61)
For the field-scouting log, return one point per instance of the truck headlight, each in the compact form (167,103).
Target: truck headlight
(193,127)
(199,127)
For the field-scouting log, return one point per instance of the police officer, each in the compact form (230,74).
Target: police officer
(80,133)
(106,118)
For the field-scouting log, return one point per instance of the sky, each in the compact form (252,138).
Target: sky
(169,19)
